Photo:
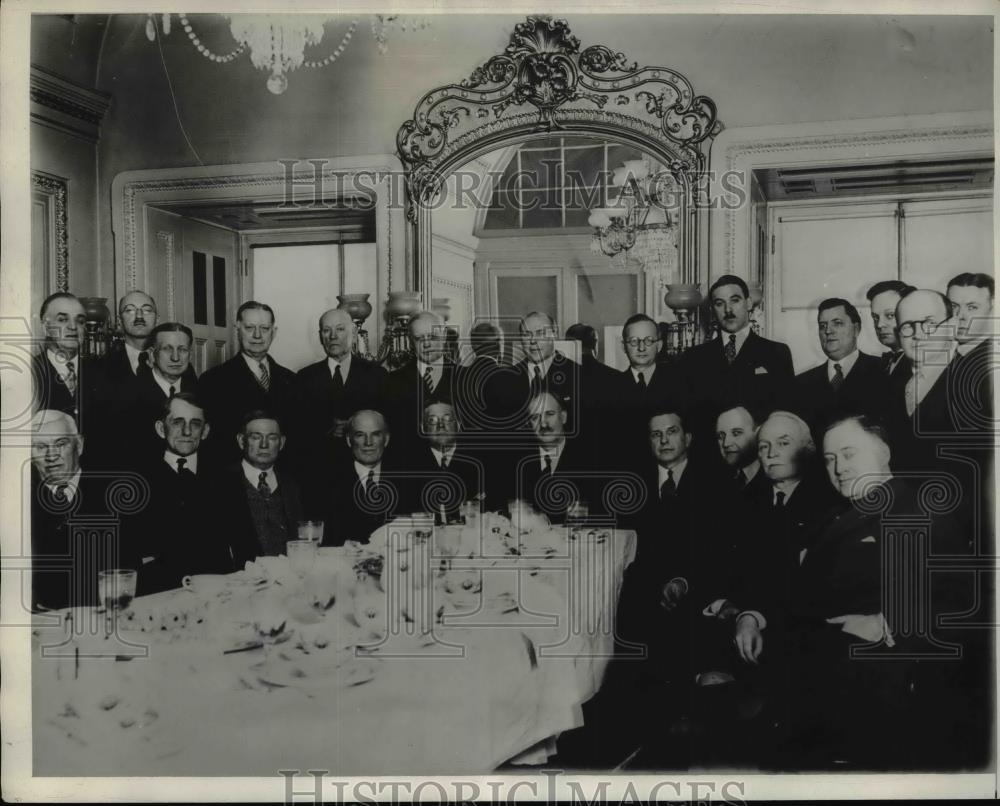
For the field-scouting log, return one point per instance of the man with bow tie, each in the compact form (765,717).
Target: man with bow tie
(65,379)
(883,297)
(250,380)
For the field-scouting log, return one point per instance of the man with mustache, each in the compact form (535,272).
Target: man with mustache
(738,368)
(849,381)
(884,296)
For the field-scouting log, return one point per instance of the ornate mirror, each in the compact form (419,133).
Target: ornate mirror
(560,175)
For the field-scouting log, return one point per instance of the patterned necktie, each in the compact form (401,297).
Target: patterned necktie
(70,379)
(265,374)
(262,486)
(669,488)
(642,382)
(429,380)
(838,377)
(779,499)
(444,461)
(547,461)
(338,379)
(731,348)
(371,485)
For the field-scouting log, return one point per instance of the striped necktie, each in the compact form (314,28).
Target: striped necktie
(70,379)
(265,375)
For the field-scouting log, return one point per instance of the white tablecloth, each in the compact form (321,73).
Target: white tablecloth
(493,685)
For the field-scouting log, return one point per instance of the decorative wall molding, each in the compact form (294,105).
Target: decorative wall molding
(857,142)
(167,241)
(446,284)
(463,250)
(55,189)
(62,105)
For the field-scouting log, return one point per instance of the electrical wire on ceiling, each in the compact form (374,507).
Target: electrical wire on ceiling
(173,98)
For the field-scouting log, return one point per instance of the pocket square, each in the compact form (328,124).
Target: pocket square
(760,371)
(868,539)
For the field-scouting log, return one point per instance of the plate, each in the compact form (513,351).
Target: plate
(316,670)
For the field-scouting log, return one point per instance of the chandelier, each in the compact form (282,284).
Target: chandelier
(277,43)
(637,225)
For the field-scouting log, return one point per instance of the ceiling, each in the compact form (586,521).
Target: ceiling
(251,217)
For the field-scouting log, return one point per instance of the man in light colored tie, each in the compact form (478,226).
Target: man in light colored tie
(64,375)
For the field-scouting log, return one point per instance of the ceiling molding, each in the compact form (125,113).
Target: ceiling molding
(62,105)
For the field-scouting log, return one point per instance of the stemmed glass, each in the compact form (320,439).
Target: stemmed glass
(311,530)
(116,589)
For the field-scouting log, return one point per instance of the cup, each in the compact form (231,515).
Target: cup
(204,583)
(311,530)
(301,555)
(116,588)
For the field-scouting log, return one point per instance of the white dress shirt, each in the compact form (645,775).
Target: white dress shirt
(787,487)
(741,337)
(254,365)
(191,462)
(678,471)
(61,366)
(252,475)
(133,353)
(554,452)
(437,368)
(344,364)
(647,373)
(750,471)
(846,365)
(543,366)
(447,452)
(164,384)
(364,470)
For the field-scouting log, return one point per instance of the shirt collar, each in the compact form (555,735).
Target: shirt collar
(364,470)
(647,373)
(344,364)
(543,365)
(436,368)
(554,452)
(741,337)
(164,384)
(171,459)
(678,471)
(449,452)
(788,487)
(60,364)
(252,475)
(132,353)
(71,485)
(846,364)
(750,471)
(253,363)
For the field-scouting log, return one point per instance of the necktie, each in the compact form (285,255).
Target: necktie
(731,348)
(338,379)
(262,486)
(779,499)
(182,469)
(838,377)
(429,380)
(59,493)
(740,479)
(143,360)
(547,461)
(669,488)
(265,375)
(371,486)
(642,382)
(173,391)
(70,379)
(444,461)
(536,381)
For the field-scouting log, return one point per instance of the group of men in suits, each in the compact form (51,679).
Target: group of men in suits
(744,560)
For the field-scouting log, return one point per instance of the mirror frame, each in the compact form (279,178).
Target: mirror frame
(544,84)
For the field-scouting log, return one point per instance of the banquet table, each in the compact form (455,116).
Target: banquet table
(445,662)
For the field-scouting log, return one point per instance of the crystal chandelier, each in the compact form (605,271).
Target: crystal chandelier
(638,225)
(277,43)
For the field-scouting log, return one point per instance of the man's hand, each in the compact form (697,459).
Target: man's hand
(749,640)
(672,594)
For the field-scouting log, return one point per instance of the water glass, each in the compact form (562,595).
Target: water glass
(301,555)
(116,589)
(311,530)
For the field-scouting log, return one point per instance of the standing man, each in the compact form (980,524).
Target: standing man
(330,391)
(884,296)
(125,359)
(849,382)
(258,503)
(429,377)
(736,436)
(738,368)
(971,297)
(250,380)
(67,380)
(473,380)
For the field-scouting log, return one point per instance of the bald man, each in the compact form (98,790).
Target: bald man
(329,392)
(65,560)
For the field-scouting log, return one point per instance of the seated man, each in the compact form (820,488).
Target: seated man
(736,435)
(67,553)
(259,504)
(364,492)
(443,472)
(182,531)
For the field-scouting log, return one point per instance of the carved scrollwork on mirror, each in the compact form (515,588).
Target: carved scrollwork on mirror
(544,83)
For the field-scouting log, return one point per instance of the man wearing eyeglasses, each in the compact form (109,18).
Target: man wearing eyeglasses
(66,380)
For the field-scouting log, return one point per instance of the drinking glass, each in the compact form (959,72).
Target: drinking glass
(311,530)
(116,588)
(301,556)
(423,526)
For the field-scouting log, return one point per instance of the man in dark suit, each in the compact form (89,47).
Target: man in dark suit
(363,492)
(642,389)
(971,297)
(884,296)
(444,473)
(428,377)
(183,532)
(65,380)
(329,392)
(170,346)
(258,504)
(849,381)
(736,435)
(137,315)
(250,380)
(559,469)
(739,368)
(74,533)
(470,393)
(867,604)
